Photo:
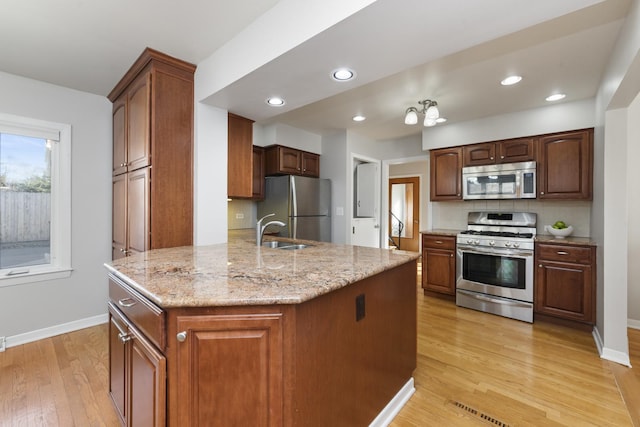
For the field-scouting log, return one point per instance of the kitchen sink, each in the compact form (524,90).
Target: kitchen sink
(284,245)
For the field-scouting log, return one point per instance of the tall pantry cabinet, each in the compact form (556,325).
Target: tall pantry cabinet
(153,155)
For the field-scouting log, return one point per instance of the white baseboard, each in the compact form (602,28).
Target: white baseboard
(634,324)
(389,412)
(56,330)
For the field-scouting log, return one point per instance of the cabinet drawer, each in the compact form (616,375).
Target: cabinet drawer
(144,315)
(580,254)
(438,242)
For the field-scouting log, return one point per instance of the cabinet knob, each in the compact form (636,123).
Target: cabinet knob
(458,194)
(542,192)
(451,255)
(540,265)
(502,157)
(491,158)
(182,336)
(124,337)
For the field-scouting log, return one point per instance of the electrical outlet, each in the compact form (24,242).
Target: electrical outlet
(3,344)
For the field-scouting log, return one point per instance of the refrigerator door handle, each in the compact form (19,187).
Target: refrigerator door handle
(294,227)
(294,198)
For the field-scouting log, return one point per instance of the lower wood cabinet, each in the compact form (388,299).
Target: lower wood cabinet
(230,370)
(565,283)
(439,263)
(137,374)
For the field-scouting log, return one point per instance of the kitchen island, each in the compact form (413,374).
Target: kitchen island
(235,334)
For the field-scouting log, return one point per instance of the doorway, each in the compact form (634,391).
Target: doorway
(404,213)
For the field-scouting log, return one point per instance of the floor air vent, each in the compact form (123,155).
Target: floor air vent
(480,415)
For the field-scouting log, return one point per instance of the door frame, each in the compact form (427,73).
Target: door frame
(415,207)
(426,206)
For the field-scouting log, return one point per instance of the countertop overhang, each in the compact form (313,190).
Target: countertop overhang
(241,273)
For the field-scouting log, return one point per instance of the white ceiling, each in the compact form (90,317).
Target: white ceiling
(455,52)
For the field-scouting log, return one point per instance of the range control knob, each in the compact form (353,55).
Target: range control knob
(492,242)
(516,244)
(507,244)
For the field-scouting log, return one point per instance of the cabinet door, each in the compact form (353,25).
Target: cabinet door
(564,290)
(258,183)
(138,207)
(289,160)
(565,165)
(120,136)
(310,164)
(139,123)
(230,370)
(439,271)
(119,216)
(446,174)
(516,150)
(479,154)
(240,157)
(148,383)
(118,365)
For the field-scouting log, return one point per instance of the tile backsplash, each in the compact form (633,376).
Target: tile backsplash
(453,215)
(241,214)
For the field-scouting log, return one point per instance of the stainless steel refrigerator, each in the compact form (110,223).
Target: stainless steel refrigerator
(302,203)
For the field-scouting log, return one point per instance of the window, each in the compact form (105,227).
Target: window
(35,200)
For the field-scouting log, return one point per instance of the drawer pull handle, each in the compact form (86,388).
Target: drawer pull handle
(182,336)
(124,337)
(439,242)
(563,253)
(126,302)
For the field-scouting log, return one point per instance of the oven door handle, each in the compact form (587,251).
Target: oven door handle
(475,250)
(487,298)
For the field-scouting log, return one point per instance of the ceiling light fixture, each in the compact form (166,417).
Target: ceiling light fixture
(359,118)
(555,97)
(511,80)
(343,74)
(429,110)
(275,101)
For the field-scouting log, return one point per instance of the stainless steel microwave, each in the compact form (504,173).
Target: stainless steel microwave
(501,181)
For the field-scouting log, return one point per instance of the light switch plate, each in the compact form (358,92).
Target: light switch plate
(239,216)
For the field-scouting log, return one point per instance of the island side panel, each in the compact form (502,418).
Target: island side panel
(347,370)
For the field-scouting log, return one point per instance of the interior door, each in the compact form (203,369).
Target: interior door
(404,213)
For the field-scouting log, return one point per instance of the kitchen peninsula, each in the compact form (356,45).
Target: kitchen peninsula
(236,334)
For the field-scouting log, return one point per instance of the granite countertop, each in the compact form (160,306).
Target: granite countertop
(240,273)
(548,238)
(441,231)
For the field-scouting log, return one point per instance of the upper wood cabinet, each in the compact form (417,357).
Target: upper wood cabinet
(507,151)
(240,157)
(280,160)
(446,174)
(153,145)
(565,165)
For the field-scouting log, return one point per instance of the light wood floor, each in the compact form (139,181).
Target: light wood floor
(473,369)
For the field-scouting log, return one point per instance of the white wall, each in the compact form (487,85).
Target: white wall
(333,165)
(80,300)
(633,196)
(210,170)
(619,86)
(288,136)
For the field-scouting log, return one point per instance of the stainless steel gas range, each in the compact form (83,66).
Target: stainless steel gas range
(494,269)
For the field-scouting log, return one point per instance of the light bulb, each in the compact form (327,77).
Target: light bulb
(411,117)
(432,112)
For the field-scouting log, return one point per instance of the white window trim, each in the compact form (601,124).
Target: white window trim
(60,266)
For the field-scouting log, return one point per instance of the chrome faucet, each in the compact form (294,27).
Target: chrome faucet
(260,228)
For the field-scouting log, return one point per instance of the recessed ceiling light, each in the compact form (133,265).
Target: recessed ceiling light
(343,74)
(359,118)
(511,80)
(275,101)
(555,97)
